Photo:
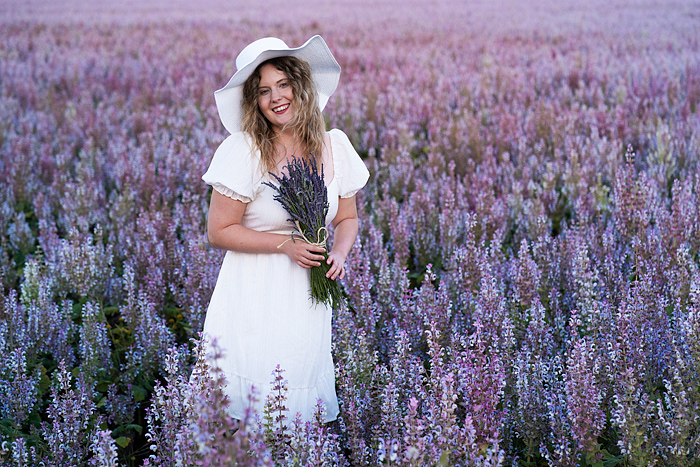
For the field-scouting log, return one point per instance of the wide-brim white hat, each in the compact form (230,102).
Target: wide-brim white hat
(325,73)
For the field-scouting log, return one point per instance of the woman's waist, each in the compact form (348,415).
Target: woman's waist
(286,231)
(281,230)
(277,228)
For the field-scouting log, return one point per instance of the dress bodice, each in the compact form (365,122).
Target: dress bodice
(265,214)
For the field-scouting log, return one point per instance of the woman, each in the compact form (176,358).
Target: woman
(261,313)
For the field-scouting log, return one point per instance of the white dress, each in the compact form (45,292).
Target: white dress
(260,313)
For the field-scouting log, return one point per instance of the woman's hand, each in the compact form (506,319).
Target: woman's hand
(302,253)
(226,233)
(337,262)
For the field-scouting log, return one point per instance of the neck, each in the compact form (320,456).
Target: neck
(288,144)
(286,139)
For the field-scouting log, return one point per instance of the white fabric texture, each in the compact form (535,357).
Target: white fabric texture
(351,172)
(261,314)
(235,169)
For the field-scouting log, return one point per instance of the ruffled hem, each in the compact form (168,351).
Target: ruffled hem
(234,168)
(299,400)
(230,193)
(350,194)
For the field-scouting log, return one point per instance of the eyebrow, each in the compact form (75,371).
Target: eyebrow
(278,82)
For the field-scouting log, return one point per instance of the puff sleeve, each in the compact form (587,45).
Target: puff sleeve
(235,169)
(350,170)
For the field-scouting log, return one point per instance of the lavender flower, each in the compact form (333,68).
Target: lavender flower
(303,194)
(552,183)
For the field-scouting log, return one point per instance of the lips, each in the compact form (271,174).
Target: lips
(280,109)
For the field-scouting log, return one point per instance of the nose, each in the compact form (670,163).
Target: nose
(274,94)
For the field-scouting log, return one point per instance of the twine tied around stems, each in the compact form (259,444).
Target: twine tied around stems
(301,234)
(318,235)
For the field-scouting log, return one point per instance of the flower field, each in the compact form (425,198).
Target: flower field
(525,288)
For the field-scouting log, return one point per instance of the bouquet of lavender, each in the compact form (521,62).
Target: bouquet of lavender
(302,192)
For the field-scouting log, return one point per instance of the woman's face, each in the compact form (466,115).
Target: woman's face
(275,96)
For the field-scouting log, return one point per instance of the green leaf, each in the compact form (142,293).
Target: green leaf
(148,385)
(136,428)
(44,383)
(34,418)
(110,310)
(610,460)
(7,428)
(102,402)
(123,441)
(139,393)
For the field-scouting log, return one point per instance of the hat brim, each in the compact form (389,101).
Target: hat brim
(325,73)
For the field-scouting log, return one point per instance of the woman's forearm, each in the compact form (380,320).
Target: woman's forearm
(242,239)
(226,232)
(344,236)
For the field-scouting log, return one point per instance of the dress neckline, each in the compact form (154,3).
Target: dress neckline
(274,182)
(330,138)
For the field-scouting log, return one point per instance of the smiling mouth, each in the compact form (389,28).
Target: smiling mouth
(280,109)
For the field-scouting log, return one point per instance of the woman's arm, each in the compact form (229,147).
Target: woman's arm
(226,233)
(345,224)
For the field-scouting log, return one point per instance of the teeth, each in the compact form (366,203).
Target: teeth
(280,108)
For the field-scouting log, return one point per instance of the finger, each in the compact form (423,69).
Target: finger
(313,255)
(318,257)
(331,272)
(337,271)
(311,261)
(308,257)
(315,248)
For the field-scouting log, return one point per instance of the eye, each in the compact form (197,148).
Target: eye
(263,92)
(284,84)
